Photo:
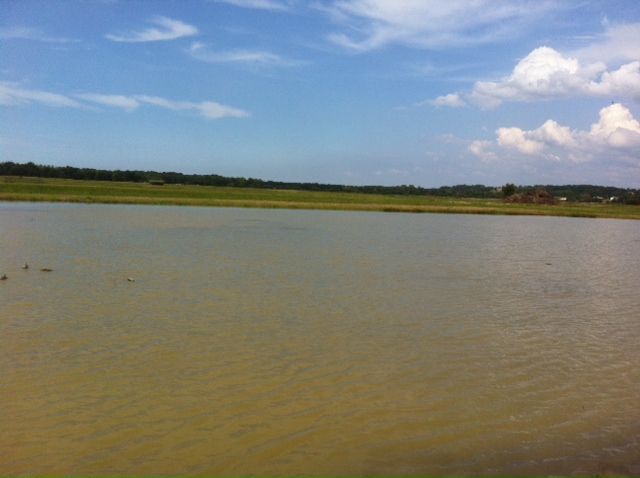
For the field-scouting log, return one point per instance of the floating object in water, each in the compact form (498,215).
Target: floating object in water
(130,279)
(46,269)
(3,277)
(25,266)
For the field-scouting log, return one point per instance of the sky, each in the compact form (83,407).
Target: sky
(359,92)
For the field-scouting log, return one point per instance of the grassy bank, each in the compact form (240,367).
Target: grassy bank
(62,190)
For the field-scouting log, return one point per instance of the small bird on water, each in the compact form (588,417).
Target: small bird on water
(3,277)
(25,266)
(130,279)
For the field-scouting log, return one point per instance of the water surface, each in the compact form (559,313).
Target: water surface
(274,342)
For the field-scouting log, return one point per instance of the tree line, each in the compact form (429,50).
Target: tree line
(570,192)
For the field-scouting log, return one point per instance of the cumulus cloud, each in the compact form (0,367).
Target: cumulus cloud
(372,24)
(545,74)
(552,133)
(624,82)
(609,67)
(616,130)
(518,139)
(169,30)
(452,99)
(200,52)
(12,94)
(538,140)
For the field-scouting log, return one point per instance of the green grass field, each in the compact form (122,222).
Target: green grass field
(63,190)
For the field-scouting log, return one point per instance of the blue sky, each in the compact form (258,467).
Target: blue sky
(385,92)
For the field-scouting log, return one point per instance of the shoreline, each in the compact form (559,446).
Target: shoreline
(14,189)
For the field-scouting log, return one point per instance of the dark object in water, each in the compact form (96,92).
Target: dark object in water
(25,266)
(45,269)
(3,277)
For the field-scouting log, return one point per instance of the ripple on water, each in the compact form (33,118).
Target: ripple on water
(297,343)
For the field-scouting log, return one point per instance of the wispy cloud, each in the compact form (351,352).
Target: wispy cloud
(617,43)
(616,133)
(118,101)
(435,24)
(26,33)
(258,4)
(208,109)
(169,30)
(201,52)
(12,95)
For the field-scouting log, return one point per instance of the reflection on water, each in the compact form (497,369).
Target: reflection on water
(260,342)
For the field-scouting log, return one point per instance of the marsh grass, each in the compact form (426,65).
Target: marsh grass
(64,190)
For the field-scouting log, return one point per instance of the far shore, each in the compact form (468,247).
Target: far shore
(100,192)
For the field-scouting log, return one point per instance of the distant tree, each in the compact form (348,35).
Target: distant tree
(508,189)
(585,197)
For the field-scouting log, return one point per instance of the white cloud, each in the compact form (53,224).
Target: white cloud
(12,94)
(26,33)
(617,44)
(170,30)
(452,99)
(118,101)
(545,73)
(624,82)
(518,139)
(616,133)
(373,24)
(482,149)
(552,133)
(164,103)
(200,52)
(617,128)
(258,4)
(212,110)
(208,109)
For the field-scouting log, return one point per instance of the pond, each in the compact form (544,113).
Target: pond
(209,341)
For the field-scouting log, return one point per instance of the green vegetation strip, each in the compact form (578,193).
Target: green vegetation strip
(100,192)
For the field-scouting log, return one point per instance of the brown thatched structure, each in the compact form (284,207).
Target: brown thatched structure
(538,197)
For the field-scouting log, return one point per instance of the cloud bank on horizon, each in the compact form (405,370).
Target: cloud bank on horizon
(339,91)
